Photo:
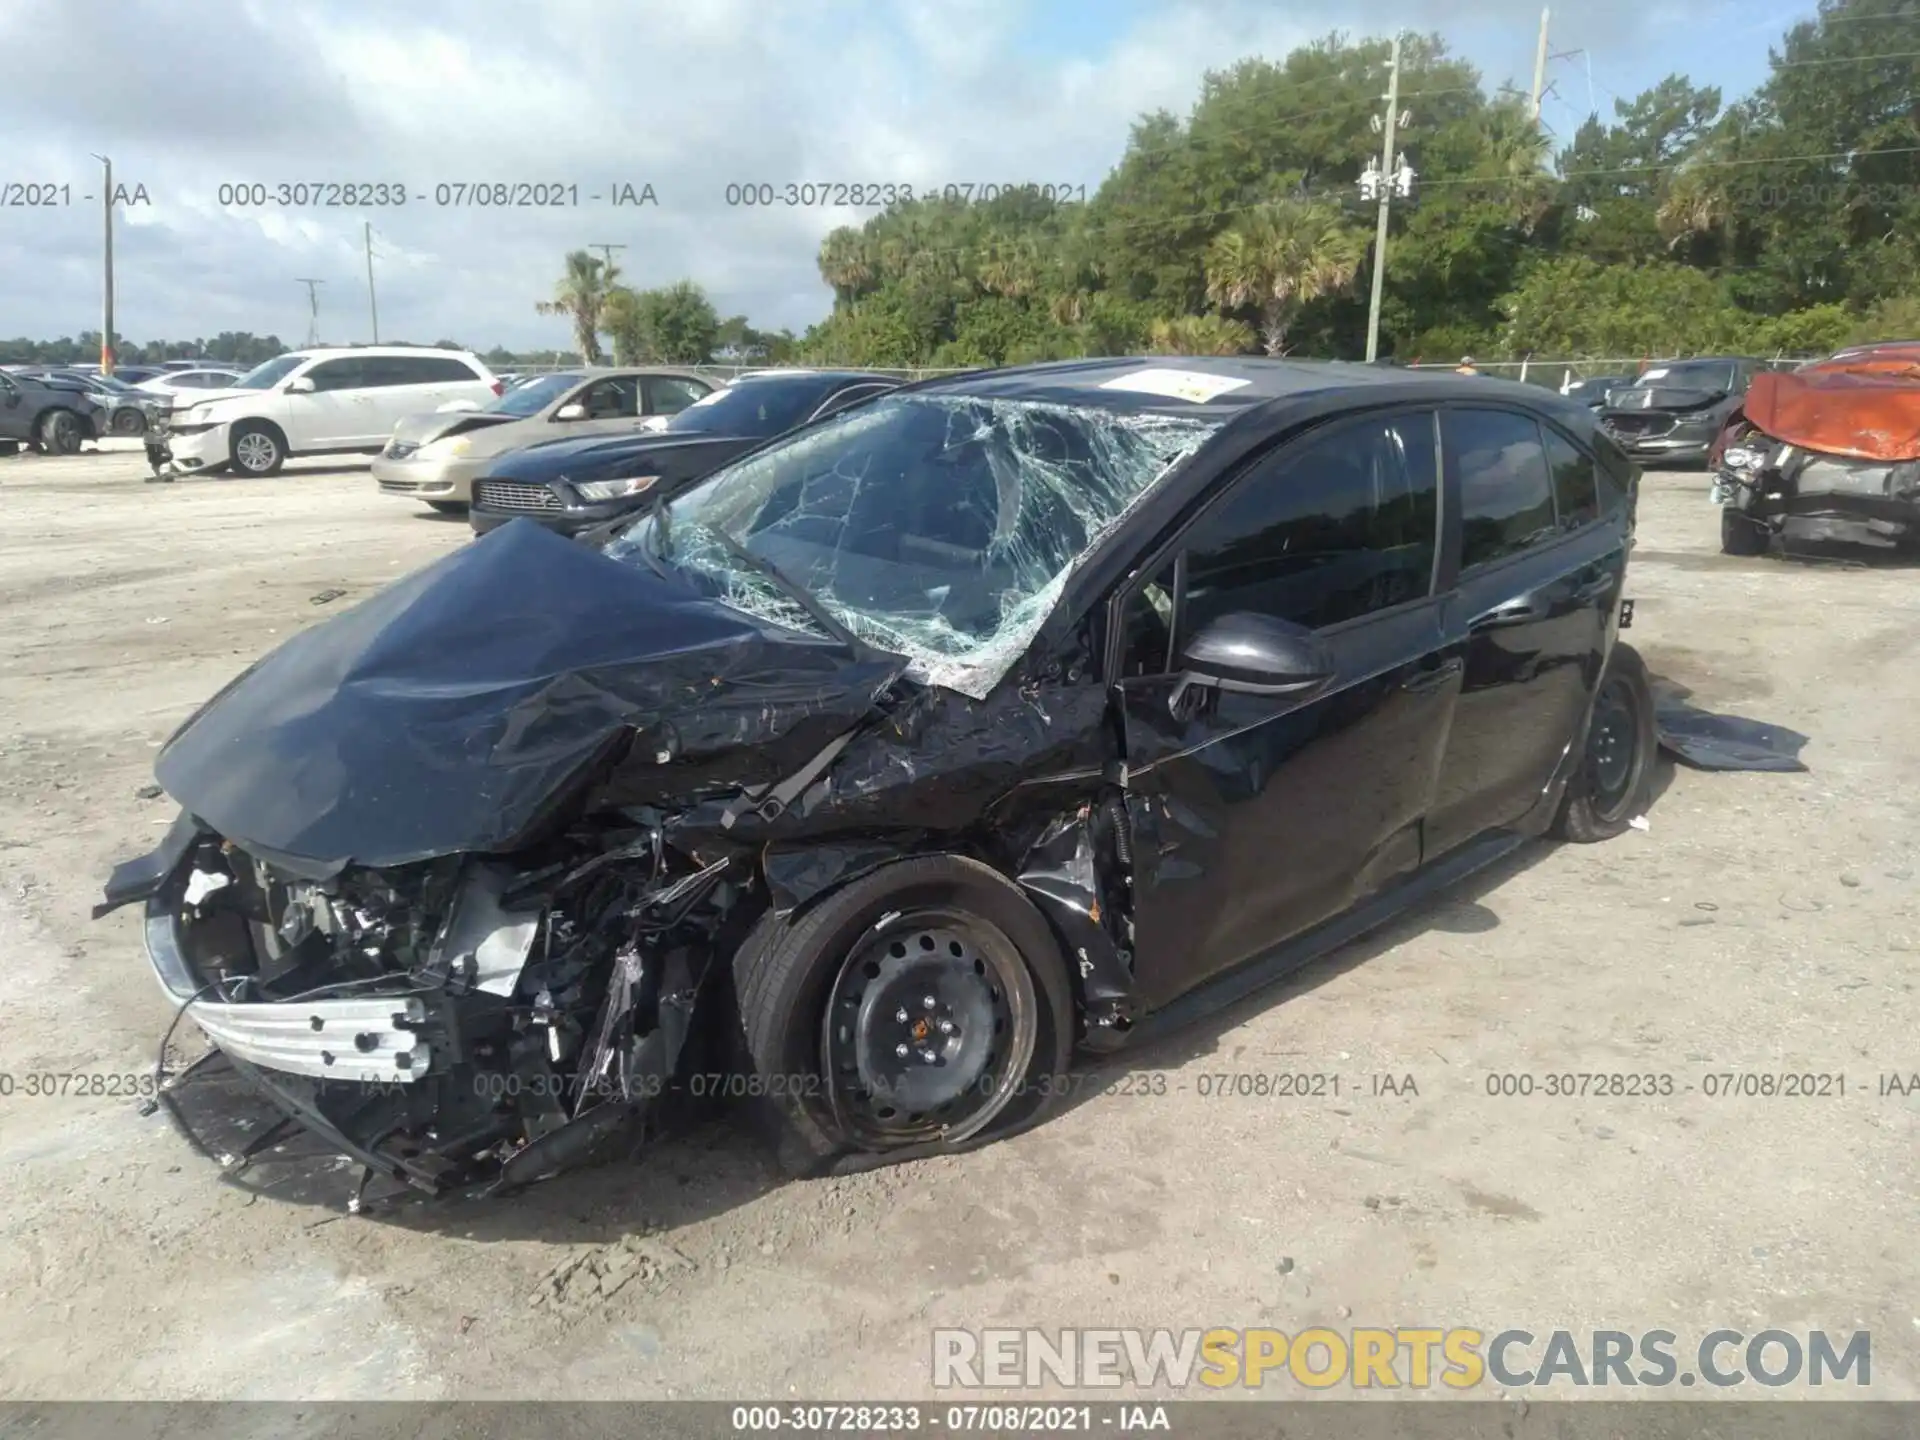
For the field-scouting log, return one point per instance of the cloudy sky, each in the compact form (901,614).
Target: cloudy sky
(685,95)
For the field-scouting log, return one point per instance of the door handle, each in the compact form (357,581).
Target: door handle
(1524,611)
(1432,677)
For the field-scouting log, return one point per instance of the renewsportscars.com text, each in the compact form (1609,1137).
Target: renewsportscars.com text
(1414,1358)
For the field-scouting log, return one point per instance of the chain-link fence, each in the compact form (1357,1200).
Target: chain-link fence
(1563,373)
(734,372)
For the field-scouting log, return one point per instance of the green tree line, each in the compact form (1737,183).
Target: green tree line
(1787,221)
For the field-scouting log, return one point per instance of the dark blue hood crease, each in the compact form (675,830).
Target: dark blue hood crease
(455,710)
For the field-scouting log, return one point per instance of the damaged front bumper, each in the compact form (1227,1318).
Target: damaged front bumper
(465,1072)
(1818,497)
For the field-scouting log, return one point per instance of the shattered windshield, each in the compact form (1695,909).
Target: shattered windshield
(939,527)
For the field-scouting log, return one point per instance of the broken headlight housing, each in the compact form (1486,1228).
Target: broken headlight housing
(614,489)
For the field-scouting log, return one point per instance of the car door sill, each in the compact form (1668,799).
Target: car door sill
(1276,964)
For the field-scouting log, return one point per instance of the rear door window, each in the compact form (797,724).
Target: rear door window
(1506,488)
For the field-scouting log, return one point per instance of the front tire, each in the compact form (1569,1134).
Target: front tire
(954,948)
(1615,778)
(257,449)
(1741,534)
(128,423)
(60,433)
(447,507)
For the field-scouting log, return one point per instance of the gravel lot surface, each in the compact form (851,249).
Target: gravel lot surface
(1762,923)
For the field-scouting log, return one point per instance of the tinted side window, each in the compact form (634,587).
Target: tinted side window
(1336,528)
(670,394)
(338,375)
(1576,493)
(7,387)
(1506,495)
(386,370)
(1146,623)
(849,397)
(1616,472)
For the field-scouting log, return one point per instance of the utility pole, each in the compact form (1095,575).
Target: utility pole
(1540,67)
(373,305)
(313,307)
(1389,121)
(607,251)
(106,321)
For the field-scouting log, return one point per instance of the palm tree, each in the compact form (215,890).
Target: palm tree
(624,321)
(1200,335)
(1282,257)
(1517,150)
(581,296)
(1697,201)
(1009,267)
(846,263)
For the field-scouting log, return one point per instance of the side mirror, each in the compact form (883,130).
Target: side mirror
(1251,654)
(573,411)
(300,385)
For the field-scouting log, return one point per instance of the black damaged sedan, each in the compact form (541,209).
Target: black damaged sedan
(580,484)
(1008,713)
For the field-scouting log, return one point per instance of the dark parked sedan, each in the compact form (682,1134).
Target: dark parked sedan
(1009,712)
(1673,411)
(574,485)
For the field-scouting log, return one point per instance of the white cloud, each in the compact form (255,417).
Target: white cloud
(685,96)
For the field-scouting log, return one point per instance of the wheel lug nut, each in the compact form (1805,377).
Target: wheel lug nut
(901,1015)
(901,1051)
(928,1056)
(928,1002)
(946,1027)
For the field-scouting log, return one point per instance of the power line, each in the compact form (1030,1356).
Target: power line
(1848,60)
(313,306)
(373,305)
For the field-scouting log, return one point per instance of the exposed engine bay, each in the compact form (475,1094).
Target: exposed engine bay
(449,1019)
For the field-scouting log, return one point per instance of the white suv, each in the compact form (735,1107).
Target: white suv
(317,402)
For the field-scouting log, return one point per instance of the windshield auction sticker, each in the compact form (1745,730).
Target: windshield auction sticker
(1176,384)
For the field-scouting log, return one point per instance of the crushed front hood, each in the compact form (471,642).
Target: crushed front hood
(1637,400)
(425,428)
(452,711)
(1859,414)
(594,455)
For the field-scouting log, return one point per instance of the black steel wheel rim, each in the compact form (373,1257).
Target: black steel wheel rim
(929,1029)
(1613,749)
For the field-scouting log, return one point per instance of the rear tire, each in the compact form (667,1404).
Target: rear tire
(257,449)
(1741,534)
(1615,778)
(820,997)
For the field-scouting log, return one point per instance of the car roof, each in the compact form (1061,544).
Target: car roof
(329,352)
(1255,380)
(831,377)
